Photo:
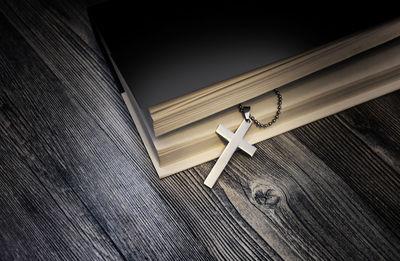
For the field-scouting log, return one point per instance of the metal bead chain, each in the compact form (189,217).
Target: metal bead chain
(276,117)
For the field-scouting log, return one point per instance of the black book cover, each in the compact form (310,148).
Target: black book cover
(165,51)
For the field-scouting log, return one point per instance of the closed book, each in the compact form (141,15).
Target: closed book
(183,72)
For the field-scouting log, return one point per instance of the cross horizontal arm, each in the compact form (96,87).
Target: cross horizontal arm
(244,145)
(248,148)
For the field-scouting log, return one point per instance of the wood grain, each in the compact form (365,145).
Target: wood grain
(65,136)
(352,150)
(308,210)
(76,182)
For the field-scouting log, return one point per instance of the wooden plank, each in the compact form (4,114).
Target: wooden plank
(214,218)
(361,146)
(72,15)
(32,224)
(303,209)
(77,161)
(85,76)
(377,124)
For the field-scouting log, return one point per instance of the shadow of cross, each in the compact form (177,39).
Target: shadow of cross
(235,141)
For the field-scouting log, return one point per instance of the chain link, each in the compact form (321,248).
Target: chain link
(276,117)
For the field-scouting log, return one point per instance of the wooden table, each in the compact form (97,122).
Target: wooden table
(76,182)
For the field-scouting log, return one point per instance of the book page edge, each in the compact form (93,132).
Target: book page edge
(174,168)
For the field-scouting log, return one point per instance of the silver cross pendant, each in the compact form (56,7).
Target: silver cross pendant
(235,141)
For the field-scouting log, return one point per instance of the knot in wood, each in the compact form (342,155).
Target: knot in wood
(265,196)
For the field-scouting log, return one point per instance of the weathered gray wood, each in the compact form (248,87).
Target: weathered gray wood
(32,223)
(72,163)
(377,123)
(77,161)
(302,208)
(362,146)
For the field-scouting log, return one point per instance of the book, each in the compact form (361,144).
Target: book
(186,96)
